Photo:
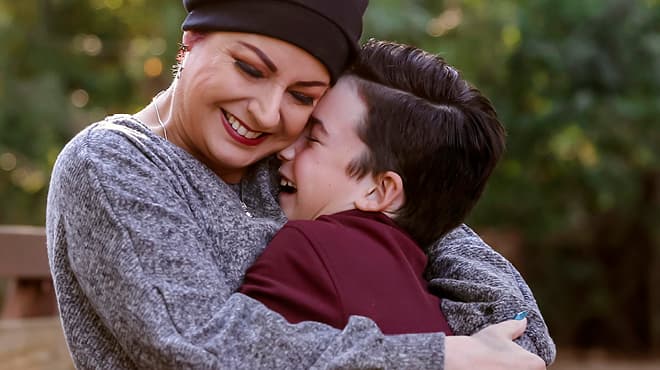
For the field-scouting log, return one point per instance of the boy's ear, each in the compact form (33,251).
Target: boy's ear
(385,195)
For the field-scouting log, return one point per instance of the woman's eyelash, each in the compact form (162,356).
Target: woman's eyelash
(302,98)
(249,69)
(256,73)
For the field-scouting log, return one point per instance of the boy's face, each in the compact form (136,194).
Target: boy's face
(315,166)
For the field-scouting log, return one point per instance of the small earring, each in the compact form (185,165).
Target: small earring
(181,60)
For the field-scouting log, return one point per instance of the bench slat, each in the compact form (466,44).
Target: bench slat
(23,252)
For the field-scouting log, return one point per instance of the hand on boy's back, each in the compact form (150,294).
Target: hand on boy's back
(492,348)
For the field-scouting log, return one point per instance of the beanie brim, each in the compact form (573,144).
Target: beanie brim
(283,20)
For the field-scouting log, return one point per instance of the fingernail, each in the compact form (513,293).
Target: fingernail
(520,315)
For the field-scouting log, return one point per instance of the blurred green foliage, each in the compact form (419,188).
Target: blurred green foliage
(576,83)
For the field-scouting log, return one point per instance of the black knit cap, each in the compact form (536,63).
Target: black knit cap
(327,29)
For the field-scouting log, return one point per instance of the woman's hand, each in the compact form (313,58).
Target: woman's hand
(492,348)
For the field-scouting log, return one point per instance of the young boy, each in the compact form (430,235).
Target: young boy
(395,156)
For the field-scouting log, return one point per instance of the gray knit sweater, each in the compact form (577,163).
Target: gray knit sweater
(147,245)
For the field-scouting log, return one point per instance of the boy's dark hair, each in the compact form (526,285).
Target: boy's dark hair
(427,124)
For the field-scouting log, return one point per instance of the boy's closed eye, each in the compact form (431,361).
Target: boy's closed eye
(311,139)
(315,130)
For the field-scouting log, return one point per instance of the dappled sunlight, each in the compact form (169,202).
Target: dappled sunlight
(571,144)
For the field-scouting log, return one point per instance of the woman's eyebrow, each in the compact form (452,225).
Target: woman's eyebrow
(264,58)
(269,63)
(311,83)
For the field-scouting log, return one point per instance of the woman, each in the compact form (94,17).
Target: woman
(153,218)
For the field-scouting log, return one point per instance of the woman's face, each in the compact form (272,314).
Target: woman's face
(242,97)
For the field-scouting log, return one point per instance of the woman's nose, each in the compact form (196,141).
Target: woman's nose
(266,107)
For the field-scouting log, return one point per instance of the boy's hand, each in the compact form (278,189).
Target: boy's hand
(492,348)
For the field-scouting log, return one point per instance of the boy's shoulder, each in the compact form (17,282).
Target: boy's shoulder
(314,230)
(340,222)
(342,232)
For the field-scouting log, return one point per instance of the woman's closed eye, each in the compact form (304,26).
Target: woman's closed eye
(248,68)
(253,71)
(304,99)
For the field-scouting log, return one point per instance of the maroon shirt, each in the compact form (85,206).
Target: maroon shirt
(349,263)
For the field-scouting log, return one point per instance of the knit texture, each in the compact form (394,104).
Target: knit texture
(147,245)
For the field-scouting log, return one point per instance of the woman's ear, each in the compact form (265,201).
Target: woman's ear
(188,40)
(385,195)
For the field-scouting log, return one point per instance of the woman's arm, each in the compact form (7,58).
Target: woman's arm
(479,287)
(139,284)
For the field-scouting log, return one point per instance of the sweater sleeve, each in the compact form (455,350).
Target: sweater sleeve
(292,279)
(131,248)
(479,287)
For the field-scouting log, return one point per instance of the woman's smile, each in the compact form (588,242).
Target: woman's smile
(240,132)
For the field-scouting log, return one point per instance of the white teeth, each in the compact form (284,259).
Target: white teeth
(234,123)
(285,182)
(240,129)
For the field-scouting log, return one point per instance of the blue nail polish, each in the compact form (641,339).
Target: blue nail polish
(520,315)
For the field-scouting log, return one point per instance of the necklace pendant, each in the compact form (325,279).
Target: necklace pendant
(245,209)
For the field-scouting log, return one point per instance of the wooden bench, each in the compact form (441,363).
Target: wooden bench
(24,265)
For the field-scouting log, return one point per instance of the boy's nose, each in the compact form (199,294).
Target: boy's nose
(289,153)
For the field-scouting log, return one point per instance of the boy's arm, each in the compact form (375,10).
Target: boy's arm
(480,287)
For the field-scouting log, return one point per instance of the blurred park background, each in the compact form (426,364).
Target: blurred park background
(574,203)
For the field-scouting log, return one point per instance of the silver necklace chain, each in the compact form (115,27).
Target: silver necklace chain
(240,198)
(162,125)
(160,121)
